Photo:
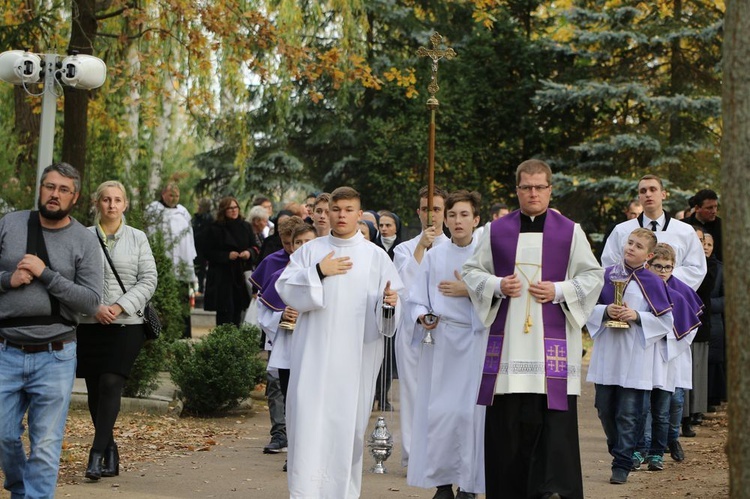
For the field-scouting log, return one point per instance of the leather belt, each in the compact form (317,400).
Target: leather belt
(54,346)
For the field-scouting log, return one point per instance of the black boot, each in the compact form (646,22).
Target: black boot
(94,469)
(111,460)
(687,429)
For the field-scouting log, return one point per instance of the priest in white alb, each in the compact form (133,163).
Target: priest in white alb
(534,281)
(338,284)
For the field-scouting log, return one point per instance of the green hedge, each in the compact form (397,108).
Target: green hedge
(218,372)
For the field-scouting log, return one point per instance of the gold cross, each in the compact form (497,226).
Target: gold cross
(435,53)
(556,355)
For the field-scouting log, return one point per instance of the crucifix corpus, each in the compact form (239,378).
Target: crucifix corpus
(435,53)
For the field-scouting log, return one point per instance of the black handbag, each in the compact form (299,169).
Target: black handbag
(151,322)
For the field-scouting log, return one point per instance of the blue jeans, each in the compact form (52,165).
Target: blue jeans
(655,423)
(276,407)
(676,406)
(620,411)
(40,383)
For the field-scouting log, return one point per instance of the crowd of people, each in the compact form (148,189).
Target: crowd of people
(488,402)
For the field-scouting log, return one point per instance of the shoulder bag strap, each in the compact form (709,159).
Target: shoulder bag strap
(109,259)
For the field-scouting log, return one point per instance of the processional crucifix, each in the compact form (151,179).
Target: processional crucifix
(435,53)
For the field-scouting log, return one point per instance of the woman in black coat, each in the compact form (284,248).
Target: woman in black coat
(229,251)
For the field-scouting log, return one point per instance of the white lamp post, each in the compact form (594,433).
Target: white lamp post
(81,71)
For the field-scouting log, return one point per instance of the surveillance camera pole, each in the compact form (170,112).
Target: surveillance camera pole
(47,125)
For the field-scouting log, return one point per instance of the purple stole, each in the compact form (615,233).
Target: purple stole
(653,289)
(557,238)
(269,296)
(270,264)
(687,308)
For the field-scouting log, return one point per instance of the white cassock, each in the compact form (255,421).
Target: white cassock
(177,230)
(690,264)
(408,340)
(626,357)
(522,368)
(337,350)
(447,445)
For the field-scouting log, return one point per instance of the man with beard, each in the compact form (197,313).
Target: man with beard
(50,270)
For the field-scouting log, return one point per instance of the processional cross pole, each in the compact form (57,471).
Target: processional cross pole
(436,54)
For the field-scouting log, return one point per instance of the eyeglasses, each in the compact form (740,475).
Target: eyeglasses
(62,189)
(662,268)
(529,188)
(233,208)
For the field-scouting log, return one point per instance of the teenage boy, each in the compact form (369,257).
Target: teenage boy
(622,362)
(447,446)
(407,257)
(338,284)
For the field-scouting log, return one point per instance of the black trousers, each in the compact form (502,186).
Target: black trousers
(531,451)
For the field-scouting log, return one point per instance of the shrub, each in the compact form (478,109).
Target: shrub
(218,372)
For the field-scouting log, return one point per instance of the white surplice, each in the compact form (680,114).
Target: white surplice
(337,350)
(447,445)
(626,357)
(408,340)
(522,368)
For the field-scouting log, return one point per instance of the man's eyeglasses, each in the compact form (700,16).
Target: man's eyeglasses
(529,188)
(662,268)
(62,189)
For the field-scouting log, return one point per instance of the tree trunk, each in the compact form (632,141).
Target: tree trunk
(736,207)
(75,133)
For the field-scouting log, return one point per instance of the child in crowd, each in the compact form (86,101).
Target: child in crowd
(277,319)
(622,361)
(672,365)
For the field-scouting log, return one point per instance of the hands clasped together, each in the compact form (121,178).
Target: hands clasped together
(28,268)
(542,291)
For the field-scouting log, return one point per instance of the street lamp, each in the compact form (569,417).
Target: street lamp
(24,68)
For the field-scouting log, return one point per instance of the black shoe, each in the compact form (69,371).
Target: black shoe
(275,446)
(444,492)
(696,419)
(465,495)
(711,408)
(111,461)
(94,468)
(284,468)
(687,430)
(675,450)
(619,476)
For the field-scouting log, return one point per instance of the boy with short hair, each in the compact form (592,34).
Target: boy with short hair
(688,310)
(447,446)
(668,372)
(622,361)
(338,283)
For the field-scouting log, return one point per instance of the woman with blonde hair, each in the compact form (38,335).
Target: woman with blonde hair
(109,342)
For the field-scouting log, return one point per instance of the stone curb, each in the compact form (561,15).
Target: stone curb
(153,405)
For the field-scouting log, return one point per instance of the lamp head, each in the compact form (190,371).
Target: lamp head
(19,67)
(83,71)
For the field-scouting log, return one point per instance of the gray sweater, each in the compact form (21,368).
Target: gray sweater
(74,278)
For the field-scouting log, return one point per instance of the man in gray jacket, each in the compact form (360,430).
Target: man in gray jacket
(50,270)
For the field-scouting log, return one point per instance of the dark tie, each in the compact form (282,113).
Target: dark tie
(653,225)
